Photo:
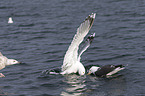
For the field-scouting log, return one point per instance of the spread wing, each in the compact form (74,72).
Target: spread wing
(71,55)
(86,46)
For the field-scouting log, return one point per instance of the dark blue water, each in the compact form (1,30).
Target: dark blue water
(42,31)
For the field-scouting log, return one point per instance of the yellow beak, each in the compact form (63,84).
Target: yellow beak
(89,73)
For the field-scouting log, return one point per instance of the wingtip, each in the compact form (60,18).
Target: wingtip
(94,34)
(93,15)
(91,18)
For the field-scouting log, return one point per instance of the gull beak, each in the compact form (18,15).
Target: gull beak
(89,73)
(19,62)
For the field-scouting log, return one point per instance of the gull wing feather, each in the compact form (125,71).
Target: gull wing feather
(3,60)
(86,46)
(71,55)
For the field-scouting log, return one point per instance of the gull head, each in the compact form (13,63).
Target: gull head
(12,61)
(82,71)
(93,69)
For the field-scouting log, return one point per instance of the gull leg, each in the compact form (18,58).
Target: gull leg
(1,75)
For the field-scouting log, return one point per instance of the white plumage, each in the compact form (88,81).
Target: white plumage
(10,20)
(4,61)
(71,62)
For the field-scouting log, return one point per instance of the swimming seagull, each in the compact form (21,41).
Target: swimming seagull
(84,48)
(10,20)
(71,62)
(105,71)
(4,61)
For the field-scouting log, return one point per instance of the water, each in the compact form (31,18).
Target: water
(42,31)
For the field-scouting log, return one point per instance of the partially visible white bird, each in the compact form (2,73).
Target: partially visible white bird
(10,20)
(4,61)
(104,71)
(71,62)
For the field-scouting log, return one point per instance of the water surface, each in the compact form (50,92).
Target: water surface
(42,31)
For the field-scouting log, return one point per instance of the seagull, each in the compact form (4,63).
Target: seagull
(88,41)
(10,20)
(106,70)
(71,62)
(4,61)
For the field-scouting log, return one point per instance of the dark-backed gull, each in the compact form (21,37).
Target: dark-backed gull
(104,71)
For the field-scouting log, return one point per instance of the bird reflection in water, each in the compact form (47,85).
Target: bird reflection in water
(76,85)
